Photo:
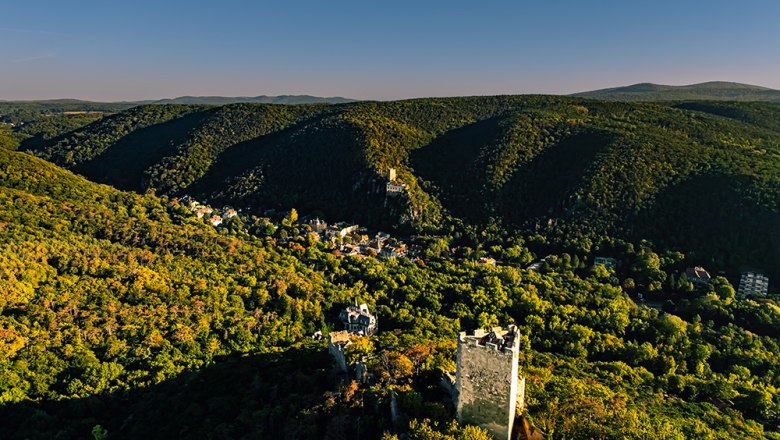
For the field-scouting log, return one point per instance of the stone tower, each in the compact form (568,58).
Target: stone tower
(487,388)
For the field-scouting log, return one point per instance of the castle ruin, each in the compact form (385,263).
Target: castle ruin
(337,344)
(393,187)
(488,391)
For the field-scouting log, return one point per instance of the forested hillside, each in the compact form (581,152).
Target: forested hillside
(125,315)
(47,119)
(699,177)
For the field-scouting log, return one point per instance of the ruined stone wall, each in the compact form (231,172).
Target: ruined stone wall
(487,385)
(337,342)
(337,351)
(521,393)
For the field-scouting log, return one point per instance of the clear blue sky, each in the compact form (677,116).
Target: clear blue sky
(139,49)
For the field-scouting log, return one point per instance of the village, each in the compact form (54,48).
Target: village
(348,239)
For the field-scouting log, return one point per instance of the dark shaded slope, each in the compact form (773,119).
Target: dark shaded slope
(451,161)
(316,167)
(138,151)
(476,167)
(717,217)
(236,397)
(227,126)
(760,114)
(546,186)
(88,142)
(241,158)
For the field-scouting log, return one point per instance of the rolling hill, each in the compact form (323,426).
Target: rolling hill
(708,91)
(45,119)
(703,178)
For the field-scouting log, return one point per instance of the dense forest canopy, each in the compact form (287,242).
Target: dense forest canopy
(43,120)
(699,177)
(122,314)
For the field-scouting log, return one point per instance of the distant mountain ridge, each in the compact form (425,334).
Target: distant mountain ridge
(196,100)
(707,91)
(641,92)
(262,99)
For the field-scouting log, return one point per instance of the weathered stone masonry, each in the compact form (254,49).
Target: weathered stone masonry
(337,343)
(487,388)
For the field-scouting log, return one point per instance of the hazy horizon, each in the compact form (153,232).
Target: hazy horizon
(147,51)
(198,95)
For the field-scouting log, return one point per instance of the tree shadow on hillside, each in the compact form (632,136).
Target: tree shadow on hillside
(123,163)
(317,166)
(545,185)
(714,215)
(259,396)
(38,143)
(452,161)
(244,156)
(759,114)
